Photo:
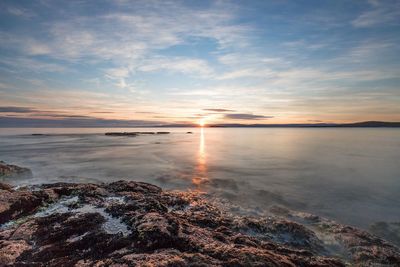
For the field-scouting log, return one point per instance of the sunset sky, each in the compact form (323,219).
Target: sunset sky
(94,63)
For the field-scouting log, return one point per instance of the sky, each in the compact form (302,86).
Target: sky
(104,63)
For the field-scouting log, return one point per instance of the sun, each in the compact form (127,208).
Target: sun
(202,123)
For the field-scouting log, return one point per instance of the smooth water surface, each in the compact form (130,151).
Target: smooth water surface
(351,175)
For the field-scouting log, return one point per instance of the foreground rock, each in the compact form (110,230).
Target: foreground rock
(8,170)
(138,224)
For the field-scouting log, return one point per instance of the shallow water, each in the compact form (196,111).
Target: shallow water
(351,175)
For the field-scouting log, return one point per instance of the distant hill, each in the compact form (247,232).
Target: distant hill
(316,125)
(89,122)
(373,124)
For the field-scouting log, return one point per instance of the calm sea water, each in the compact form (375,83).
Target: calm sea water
(350,175)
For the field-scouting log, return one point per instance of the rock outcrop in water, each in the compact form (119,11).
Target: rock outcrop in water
(133,133)
(138,224)
(8,170)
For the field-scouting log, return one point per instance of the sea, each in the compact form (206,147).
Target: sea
(350,175)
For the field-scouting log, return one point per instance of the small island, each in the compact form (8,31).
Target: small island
(133,133)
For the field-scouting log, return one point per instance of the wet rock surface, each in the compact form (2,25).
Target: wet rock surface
(138,224)
(8,170)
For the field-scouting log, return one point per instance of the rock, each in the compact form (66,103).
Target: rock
(145,132)
(362,247)
(155,231)
(137,224)
(11,250)
(121,134)
(8,170)
(189,132)
(15,204)
(133,133)
(281,231)
(389,231)
(366,248)
(5,187)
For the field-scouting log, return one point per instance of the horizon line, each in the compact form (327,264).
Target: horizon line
(227,125)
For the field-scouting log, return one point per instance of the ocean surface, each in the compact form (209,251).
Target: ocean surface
(351,175)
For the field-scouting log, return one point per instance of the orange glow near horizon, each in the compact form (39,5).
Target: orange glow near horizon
(202,123)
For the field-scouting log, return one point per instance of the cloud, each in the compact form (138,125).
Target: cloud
(36,48)
(74,122)
(177,64)
(73,99)
(31,65)
(183,56)
(146,112)
(118,72)
(249,58)
(195,92)
(63,116)
(36,113)
(250,65)
(20,12)
(318,79)
(128,38)
(369,51)
(245,116)
(16,110)
(140,29)
(218,109)
(382,12)
(246,73)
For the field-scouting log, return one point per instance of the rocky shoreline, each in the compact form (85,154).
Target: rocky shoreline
(138,224)
(131,223)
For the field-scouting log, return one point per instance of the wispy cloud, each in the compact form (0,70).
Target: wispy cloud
(177,64)
(245,116)
(369,50)
(32,65)
(74,122)
(20,12)
(129,35)
(122,72)
(16,110)
(380,12)
(218,109)
(247,73)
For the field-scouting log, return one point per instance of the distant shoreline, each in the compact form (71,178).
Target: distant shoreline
(366,124)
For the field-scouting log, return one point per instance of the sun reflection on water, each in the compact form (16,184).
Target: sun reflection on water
(200,175)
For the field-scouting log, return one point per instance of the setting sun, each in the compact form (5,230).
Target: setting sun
(202,123)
